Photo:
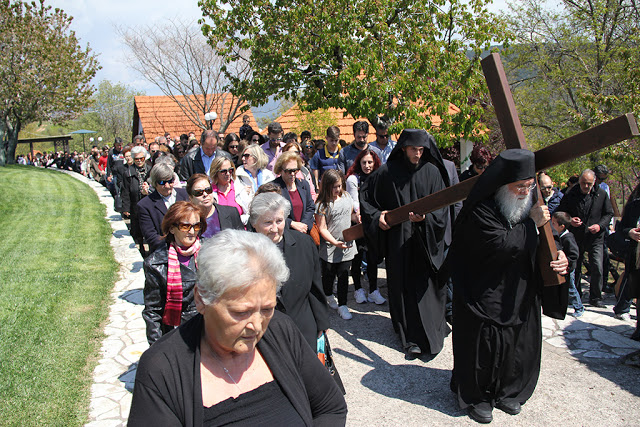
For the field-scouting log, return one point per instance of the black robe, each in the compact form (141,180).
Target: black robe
(497,331)
(414,252)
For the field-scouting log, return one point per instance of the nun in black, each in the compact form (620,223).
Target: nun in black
(414,250)
(497,333)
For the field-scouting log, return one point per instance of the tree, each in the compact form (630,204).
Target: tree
(113,104)
(574,66)
(176,58)
(373,58)
(44,72)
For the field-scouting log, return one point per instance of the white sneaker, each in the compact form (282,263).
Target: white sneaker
(376,297)
(333,303)
(343,311)
(360,296)
(623,316)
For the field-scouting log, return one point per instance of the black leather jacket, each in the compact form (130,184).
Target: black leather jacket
(155,292)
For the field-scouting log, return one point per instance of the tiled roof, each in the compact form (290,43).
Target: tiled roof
(156,115)
(290,119)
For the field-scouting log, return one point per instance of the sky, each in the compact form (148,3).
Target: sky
(95,22)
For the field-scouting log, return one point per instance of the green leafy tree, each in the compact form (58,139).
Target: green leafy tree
(574,65)
(113,104)
(44,72)
(393,60)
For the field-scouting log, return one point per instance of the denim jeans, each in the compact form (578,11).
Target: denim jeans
(575,300)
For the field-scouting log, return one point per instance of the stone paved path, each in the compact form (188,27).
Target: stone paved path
(375,372)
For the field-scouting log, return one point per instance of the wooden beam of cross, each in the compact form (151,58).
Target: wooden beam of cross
(596,138)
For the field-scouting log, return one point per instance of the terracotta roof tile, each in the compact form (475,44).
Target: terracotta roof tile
(160,114)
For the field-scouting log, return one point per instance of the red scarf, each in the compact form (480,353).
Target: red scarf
(173,307)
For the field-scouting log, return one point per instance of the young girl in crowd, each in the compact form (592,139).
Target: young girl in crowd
(334,213)
(365,163)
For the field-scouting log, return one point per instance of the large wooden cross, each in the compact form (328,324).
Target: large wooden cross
(594,139)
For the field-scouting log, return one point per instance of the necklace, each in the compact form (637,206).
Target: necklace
(226,371)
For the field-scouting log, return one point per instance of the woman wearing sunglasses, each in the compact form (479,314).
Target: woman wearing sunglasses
(218,217)
(296,191)
(170,271)
(223,175)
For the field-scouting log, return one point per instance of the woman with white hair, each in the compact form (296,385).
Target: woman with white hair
(238,360)
(134,188)
(302,296)
(251,175)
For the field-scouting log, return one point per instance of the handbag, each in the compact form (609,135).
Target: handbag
(619,244)
(315,234)
(325,356)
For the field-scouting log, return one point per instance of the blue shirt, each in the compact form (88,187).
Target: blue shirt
(322,163)
(206,160)
(387,150)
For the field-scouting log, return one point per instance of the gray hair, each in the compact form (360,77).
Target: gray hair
(138,149)
(160,172)
(267,203)
(253,258)
(588,172)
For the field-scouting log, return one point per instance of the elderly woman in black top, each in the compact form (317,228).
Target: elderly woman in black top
(297,191)
(238,361)
(301,297)
(170,271)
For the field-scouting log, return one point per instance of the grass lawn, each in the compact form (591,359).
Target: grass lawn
(56,272)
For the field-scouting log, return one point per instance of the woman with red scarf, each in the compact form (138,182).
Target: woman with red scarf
(170,271)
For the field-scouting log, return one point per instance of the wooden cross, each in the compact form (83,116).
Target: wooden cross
(594,139)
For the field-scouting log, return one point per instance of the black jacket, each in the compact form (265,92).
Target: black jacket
(308,207)
(151,210)
(168,391)
(192,163)
(131,188)
(155,292)
(592,208)
(302,297)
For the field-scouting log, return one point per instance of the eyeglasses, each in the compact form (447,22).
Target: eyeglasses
(198,193)
(525,188)
(291,171)
(138,158)
(223,171)
(246,155)
(255,139)
(233,147)
(546,187)
(185,227)
(382,136)
(479,166)
(166,181)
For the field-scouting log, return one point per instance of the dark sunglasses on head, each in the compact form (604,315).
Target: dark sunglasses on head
(185,227)
(230,170)
(198,193)
(166,181)
(292,171)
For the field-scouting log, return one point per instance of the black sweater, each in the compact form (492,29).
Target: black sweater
(168,391)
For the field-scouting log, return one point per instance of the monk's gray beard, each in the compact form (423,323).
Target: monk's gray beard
(513,209)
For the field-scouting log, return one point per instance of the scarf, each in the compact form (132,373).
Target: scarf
(173,307)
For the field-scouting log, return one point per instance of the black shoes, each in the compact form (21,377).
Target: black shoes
(597,303)
(481,413)
(511,408)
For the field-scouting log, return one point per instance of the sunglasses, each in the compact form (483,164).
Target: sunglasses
(138,158)
(246,155)
(198,193)
(291,171)
(233,147)
(223,171)
(185,227)
(166,181)
(480,167)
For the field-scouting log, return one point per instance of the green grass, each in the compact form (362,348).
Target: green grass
(56,272)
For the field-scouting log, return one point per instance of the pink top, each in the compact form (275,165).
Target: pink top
(228,199)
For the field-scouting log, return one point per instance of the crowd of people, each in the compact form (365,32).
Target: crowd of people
(236,227)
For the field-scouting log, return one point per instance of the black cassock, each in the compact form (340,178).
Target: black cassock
(497,293)
(414,252)
(496,308)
